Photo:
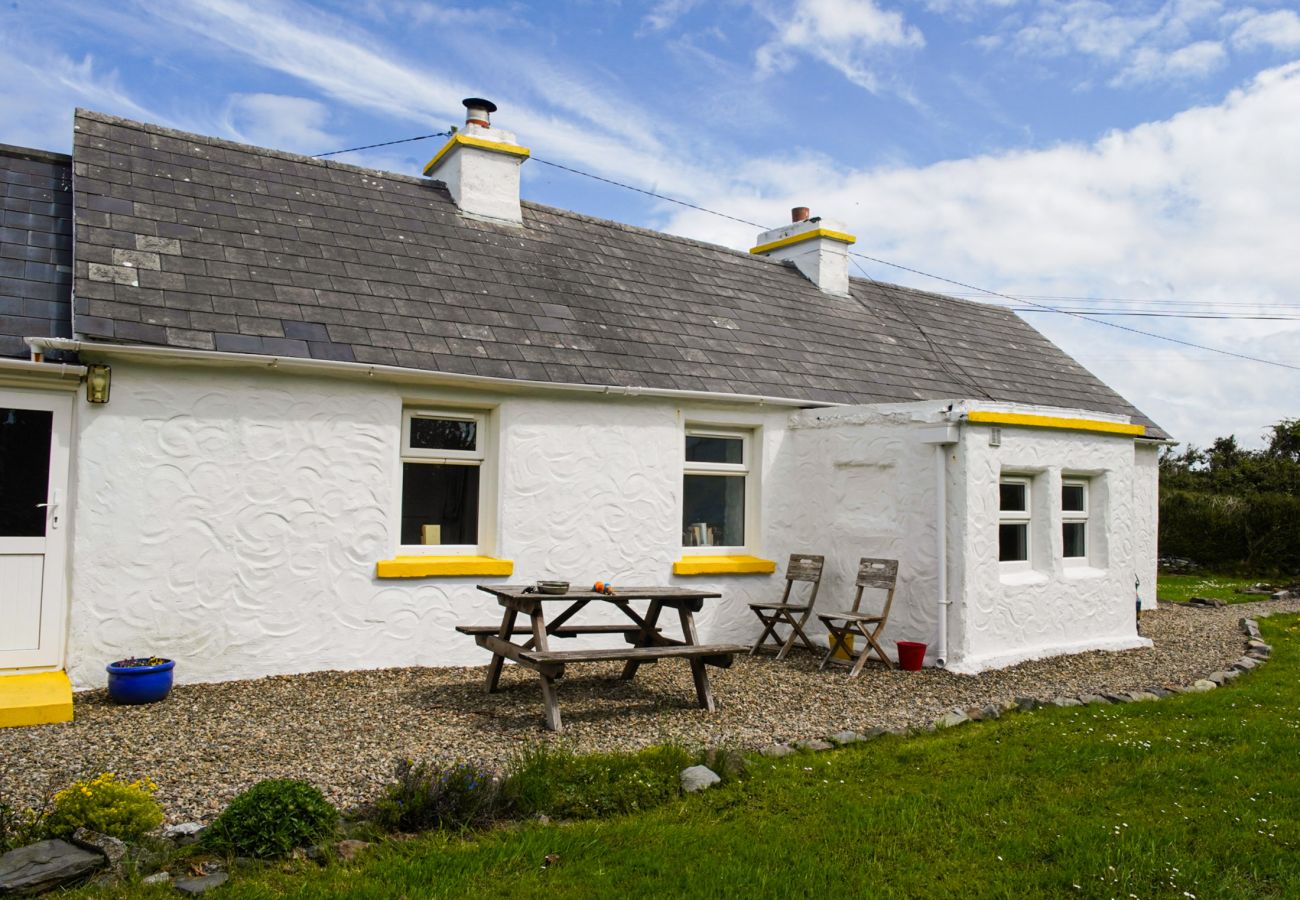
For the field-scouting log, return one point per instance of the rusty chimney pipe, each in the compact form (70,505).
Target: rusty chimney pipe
(799,214)
(479,111)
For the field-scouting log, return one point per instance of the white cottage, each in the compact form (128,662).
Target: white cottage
(296,410)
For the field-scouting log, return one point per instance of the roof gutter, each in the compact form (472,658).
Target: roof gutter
(35,371)
(397,374)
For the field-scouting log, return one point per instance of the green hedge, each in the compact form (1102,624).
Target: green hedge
(1260,531)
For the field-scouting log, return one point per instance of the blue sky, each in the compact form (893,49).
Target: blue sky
(1129,157)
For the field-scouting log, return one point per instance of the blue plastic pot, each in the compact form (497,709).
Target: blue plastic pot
(139,684)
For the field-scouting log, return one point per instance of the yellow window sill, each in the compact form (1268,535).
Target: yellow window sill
(432,566)
(723,565)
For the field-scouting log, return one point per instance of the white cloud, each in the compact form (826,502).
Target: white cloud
(665,14)
(1193,61)
(1279,30)
(844,34)
(281,122)
(1195,206)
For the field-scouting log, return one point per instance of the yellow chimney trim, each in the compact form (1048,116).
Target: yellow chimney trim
(981,417)
(442,566)
(494,146)
(805,236)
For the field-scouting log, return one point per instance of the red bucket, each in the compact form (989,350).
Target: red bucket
(911,655)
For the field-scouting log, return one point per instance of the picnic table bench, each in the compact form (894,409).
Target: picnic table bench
(648,642)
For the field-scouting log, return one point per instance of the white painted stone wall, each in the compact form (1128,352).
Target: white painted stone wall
(232,519)
(1004,616)
(1146,512)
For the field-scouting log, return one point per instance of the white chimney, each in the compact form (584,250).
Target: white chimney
(480,166)
(818,247)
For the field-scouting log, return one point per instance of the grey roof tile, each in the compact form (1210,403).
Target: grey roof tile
(304,257)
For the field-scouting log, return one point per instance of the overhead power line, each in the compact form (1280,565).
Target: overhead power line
(979,291)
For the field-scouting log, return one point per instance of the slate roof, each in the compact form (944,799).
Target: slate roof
(190,241)
(35,246)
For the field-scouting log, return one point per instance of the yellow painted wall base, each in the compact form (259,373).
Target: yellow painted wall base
(447,566)
(37,699)
(723,565)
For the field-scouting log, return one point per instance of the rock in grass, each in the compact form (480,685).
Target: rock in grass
(1143,696)
(872,733)
(157,878)
(697,778)
(844,737)
(814,744)
(184,834)
(1118,698)
(1067,701)
(992,711)
(1217,677)
(1025,704)
(113,849)
(196,886)
(44,866)
(951,720)
(347,850)
(1245,664)
(1092,699)
(777,750)
(1201,685)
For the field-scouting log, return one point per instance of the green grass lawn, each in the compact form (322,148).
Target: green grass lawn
(1181,588)
(1196,795)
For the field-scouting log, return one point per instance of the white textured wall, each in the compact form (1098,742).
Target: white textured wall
(1146,513)
(1005,617)
(232,520)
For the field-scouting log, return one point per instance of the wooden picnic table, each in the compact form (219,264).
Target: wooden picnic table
(647,642)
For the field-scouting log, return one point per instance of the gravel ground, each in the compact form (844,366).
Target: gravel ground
(343,730)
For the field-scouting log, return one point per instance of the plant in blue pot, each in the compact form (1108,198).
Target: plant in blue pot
(144,679)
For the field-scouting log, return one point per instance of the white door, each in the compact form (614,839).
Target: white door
(34,435)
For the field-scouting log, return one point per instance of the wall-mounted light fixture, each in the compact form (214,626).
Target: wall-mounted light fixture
(97,383)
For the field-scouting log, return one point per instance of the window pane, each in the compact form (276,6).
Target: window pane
(24,470)
(1013,496)
(439,504)
(713,511)
(1073,497)
(714,449)
(1013,542)
(443,434)
(1075,540)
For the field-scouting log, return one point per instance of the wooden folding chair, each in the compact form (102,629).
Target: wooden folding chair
(876,573)
(802,567)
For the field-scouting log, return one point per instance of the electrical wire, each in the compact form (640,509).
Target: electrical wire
(423,137)
(978,291)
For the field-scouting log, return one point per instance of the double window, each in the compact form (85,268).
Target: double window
(1015,531)
(715,491)
(443,457)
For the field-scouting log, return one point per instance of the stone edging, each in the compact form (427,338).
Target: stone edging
(1256,654)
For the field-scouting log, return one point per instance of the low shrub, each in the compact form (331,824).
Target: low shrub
(428,795)
(555,782)
(270,819)
(121,809)
(20,827)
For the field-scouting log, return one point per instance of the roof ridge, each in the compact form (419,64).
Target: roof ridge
(49,156)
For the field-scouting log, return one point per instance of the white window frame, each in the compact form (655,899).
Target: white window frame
(745,469)
(1017,517)
(479,457)
(1076,516)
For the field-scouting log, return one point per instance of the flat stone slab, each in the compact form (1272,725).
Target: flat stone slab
(196,886)
(697,778)
(814,744)
(1067,701)
(844,737)
(951,720)
(1093,699)
(1246,664)
(44,866)
(777,750)
(1202,685)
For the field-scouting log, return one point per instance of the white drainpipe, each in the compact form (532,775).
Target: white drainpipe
(942,437)
(941,529)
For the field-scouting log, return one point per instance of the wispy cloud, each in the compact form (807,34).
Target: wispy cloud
(1193,61)
(296,124)
(1279,30)
(847,35)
